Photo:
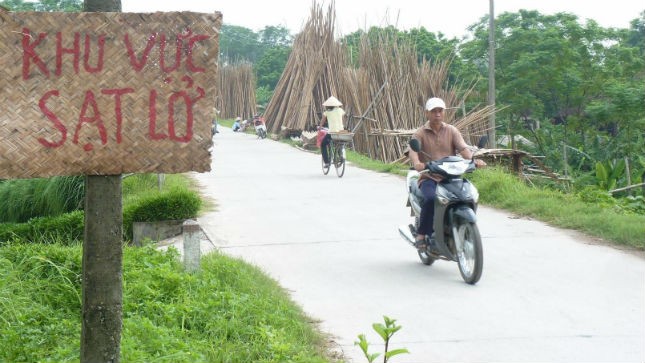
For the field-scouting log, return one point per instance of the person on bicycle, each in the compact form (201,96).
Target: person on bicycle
(333,116)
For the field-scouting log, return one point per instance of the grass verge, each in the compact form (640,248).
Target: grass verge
(228,312)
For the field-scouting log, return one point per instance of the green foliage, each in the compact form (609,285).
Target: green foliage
(608,173)
(262,96)
(43,5)
(67,228)
(269,67)
(228,312)
(23,199)
(633,204)
(238,43)
(385,332)
(594,195)
(141,199)
(591,211)
(175,204)
(375,165)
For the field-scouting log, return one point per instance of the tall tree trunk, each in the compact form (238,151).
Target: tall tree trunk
(102,286)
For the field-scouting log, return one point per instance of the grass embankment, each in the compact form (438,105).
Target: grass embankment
(227,312)
(503,190)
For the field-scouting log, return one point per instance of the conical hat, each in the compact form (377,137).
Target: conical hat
(332,102)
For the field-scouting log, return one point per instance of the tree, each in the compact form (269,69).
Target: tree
(238,43)
(583,78)
(43,5)
(274,36)
(270,67)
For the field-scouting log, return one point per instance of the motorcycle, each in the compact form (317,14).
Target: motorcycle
(456,235)
(260,129)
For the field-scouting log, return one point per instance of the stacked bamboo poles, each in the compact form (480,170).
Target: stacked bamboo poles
(387,89)
(312,74)
(236,91)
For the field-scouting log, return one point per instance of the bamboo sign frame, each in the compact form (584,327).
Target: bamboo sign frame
(106,93)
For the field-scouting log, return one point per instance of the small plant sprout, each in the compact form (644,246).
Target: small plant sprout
(385,331)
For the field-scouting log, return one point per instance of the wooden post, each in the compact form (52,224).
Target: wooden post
(102,288)
(102,270)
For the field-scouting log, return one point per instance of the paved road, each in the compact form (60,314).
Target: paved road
(546,295)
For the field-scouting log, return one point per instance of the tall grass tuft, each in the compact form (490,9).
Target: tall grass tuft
(23,199)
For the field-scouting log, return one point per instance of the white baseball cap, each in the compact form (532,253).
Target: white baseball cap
(435,102)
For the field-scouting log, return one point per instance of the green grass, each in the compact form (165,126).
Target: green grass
(23,199)
(227,312)
(502,190)
(141,186)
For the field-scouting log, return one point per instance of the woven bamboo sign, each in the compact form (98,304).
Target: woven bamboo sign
(106,93)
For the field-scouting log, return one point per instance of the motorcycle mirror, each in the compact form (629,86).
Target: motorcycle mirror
(414,145)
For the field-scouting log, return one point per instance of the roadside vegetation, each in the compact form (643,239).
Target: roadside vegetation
(228,312)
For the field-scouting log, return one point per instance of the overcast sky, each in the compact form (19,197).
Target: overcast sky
(450,17)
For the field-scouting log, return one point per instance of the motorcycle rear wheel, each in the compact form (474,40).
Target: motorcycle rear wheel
(471,257)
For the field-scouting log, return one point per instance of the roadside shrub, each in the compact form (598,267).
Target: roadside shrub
(175,204)
(66,227)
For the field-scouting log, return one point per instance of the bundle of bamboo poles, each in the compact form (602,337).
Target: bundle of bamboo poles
(235,95)
(312,74)
(383,93)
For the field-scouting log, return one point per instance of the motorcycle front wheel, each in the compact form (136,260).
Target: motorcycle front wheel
(470,254)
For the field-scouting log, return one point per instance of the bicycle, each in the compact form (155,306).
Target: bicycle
(336,152)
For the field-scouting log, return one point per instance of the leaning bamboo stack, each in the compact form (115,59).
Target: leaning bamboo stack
(312,74)
(236,91)
(384,91)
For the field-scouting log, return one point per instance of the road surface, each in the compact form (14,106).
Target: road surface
(546,294)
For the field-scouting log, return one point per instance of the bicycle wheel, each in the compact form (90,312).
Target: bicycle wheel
(325,168)
(339,160)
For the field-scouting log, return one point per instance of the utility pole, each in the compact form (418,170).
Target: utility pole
(491,74)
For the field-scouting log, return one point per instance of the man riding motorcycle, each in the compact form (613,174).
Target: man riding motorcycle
(437,140)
